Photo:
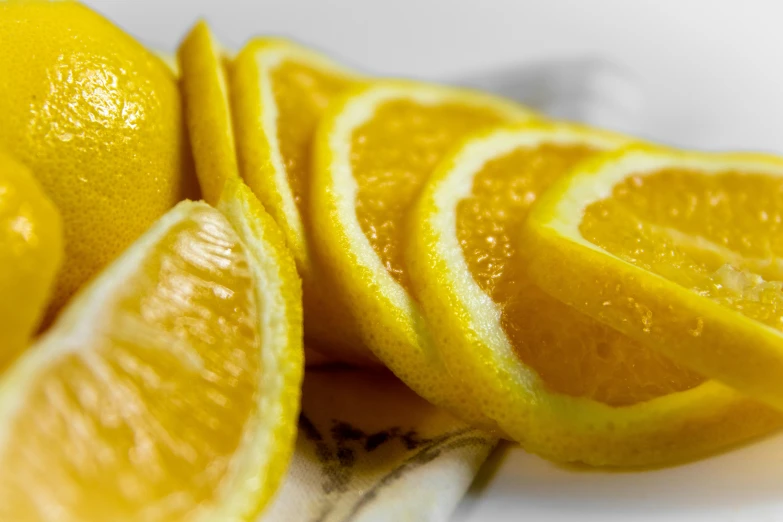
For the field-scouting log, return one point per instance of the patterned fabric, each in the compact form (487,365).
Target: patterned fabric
(369,449)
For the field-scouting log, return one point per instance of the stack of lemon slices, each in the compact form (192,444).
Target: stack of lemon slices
(597,299)
(406,207)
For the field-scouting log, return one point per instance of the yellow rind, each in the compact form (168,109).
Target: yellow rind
(205,93)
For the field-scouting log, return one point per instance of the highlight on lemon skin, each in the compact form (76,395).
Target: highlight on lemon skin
(374,149)
(279,91)
(564,385)
(31,247)
(168,389)
(97,119)
(679,251)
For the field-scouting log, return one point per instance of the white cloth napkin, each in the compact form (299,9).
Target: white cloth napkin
(370,450)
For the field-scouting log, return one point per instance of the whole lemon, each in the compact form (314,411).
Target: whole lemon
(98,120)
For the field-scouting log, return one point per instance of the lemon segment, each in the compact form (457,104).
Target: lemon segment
(564,385)
(167,389)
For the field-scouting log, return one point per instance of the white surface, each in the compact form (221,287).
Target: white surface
(743,485)
(710,70)
(710,74)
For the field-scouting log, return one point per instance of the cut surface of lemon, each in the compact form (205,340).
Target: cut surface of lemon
(31,250)
(374,150)
(563,384)
(279,91)
(168,388)
(678,250)
(98,120)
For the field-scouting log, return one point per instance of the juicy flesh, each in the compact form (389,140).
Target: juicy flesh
(718,235)
(392,155)
(301,94)
(96,440)
(571,353)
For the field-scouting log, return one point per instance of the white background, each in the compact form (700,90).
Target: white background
(709,74)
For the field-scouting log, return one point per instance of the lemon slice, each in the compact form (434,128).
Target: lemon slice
(31,249)
(679,251)
(374,149)
(279,92)
(562,384)
(207,111)
(168,388)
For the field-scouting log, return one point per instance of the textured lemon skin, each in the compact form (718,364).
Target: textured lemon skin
(97,119)
(208,115)
(329,324)
(31,247)
(676,427)
(729,347)
(396,333)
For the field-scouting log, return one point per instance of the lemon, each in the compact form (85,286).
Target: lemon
(677,250)
(168,388)
(279,92)
(564,385)
(207,112)
(374,150)
(30,253)
(97,119)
